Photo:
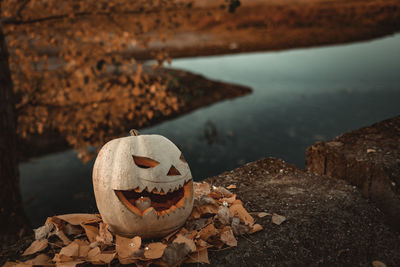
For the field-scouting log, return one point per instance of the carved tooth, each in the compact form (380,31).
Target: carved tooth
(137,190)
(141,188)
(147,189)
(162,192)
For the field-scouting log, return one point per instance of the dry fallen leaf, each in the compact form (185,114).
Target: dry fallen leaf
(182,239)
(277,219)
(154,250)
(62,258)
(223,191)
(175,253)
(126,246)
(72,250)
(78,218)
(199,257)
(229,200)
(103,258)
(263,214)
(227,237)
(41,259)
(91,232)
(232,186)
(207,232)
(238,210)
(36,246)
(70,263)
(255,228)
(208,209)
(378,264)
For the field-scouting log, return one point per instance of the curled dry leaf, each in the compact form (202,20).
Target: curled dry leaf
(277,219)
(36,246)
(154,250)
(238,210)
(91,232)
(231,186)
(223,191)
(125,247)
(263,214)
(78,218)
(255,228)
(43,231)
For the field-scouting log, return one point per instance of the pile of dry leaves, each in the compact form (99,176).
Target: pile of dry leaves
(72,239)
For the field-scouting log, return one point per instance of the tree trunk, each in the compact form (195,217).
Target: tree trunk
(13,223)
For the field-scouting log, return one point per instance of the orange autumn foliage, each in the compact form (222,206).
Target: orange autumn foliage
(70,68)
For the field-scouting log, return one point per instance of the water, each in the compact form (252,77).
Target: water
(300,97)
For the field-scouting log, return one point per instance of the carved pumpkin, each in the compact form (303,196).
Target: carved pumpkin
(143,186)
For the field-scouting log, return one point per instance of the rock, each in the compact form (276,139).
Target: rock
(368,158)
(328,221)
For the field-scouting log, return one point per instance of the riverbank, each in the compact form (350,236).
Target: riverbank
(190,92)
(276,25)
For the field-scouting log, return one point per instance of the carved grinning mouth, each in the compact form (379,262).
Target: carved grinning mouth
(142,202)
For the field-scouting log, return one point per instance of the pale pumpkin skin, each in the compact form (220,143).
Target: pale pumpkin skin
(114,169)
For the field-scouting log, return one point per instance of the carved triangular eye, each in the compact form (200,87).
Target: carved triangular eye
(173,171)
(182,158)
(145,163)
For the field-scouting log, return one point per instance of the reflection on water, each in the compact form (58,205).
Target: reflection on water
(300,97)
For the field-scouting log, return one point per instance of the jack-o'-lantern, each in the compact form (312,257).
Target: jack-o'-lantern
(143,186)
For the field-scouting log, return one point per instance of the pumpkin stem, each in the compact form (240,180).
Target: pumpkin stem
(134,132)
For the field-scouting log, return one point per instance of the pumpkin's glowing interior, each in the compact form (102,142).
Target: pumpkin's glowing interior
(163,203)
